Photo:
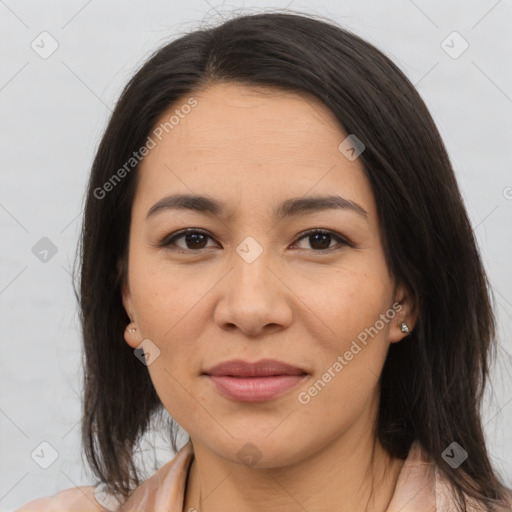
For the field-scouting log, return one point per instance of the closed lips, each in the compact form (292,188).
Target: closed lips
(263,368)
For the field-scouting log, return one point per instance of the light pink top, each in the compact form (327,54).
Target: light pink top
(420,488)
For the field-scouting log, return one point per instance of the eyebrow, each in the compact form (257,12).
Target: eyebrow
(288,208)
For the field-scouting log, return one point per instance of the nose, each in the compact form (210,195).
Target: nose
(253,298)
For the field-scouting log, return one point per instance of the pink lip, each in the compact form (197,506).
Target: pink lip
(254,382)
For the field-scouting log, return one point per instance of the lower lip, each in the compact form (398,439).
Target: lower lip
(255,389)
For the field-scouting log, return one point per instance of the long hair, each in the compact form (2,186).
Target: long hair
(432,384)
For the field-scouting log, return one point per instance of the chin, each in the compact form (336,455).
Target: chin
(260,451)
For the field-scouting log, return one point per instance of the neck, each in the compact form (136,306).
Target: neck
(341,477)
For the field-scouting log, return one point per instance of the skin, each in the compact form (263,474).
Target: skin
(253,148)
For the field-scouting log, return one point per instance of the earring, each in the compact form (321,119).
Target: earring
(404,327)
(131,328)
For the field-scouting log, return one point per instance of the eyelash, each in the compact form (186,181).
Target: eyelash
(170,240)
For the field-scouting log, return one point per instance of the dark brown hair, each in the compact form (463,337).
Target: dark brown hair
(432,384)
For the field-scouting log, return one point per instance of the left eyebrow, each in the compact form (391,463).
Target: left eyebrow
(288,208)
(304,205)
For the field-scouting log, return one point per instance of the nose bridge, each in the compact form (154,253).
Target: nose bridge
(252,297)
(251,272)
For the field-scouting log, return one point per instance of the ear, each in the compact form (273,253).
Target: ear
(122,279)
(406,310)
(127,300)
(131,337)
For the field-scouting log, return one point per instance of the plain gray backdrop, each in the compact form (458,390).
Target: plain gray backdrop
(53,109)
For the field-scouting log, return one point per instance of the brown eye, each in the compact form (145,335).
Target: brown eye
(320,240)
(193,240)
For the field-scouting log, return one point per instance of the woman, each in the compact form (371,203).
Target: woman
(276,253)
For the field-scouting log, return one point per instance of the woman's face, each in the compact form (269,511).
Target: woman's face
(250,283)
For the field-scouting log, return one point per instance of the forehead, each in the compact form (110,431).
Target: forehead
(229,112)
(239,140)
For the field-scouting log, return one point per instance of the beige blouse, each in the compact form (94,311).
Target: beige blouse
(420,488)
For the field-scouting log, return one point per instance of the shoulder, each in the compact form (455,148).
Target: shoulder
(164,490)
(76,499)
(446,501)
(422,485)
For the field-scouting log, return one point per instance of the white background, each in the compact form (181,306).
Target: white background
(53,111)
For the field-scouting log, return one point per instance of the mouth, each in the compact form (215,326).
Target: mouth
(254,382)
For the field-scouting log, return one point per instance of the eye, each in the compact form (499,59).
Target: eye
(321,239)
(196,239)
(193,238)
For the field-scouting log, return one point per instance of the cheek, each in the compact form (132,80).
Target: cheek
(167,306)
(166,299)
(351,303)
(349,362)
(350,358)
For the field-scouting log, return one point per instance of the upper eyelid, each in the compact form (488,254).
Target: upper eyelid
(311,231)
